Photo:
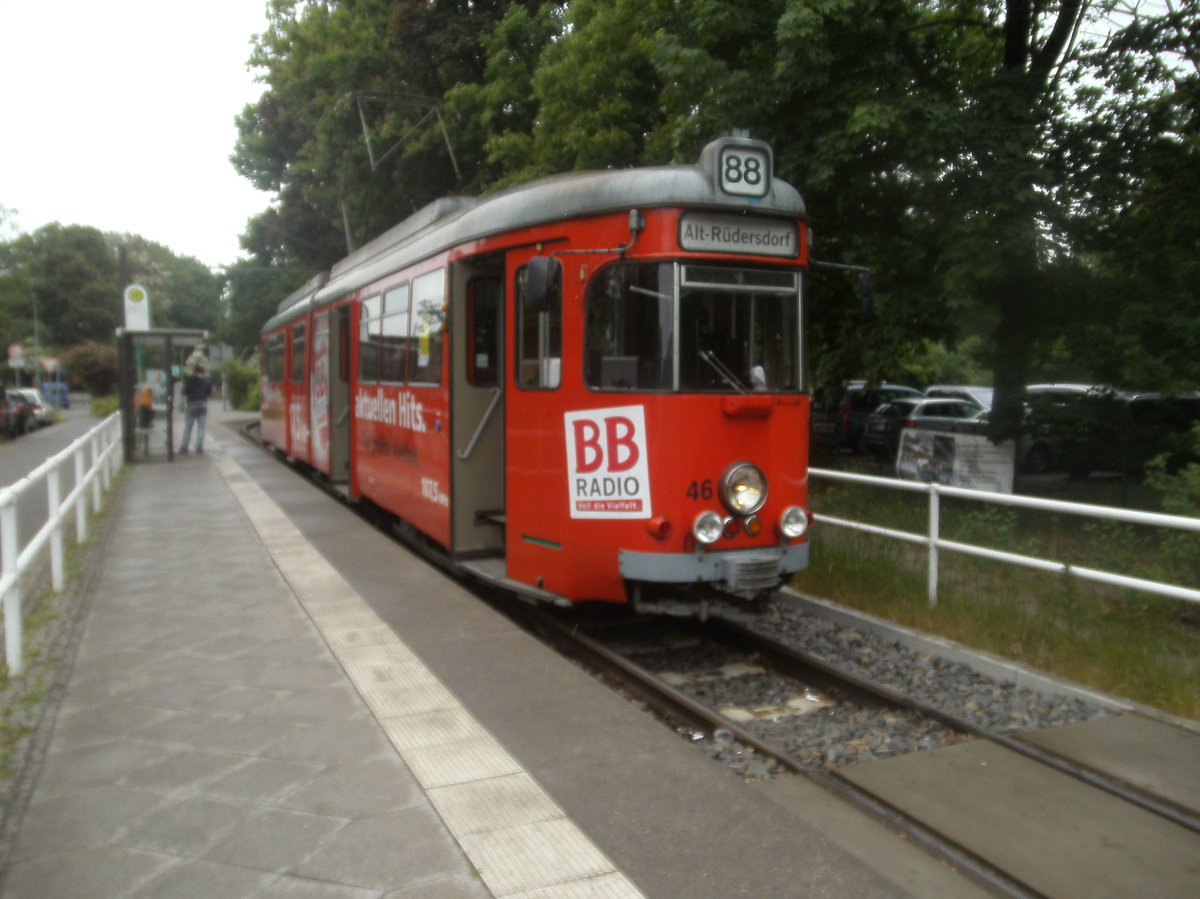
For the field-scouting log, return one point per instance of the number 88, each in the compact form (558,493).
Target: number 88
(739,170)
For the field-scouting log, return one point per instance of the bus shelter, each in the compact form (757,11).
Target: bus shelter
(150,364)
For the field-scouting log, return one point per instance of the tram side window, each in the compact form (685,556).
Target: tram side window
(370,338)
(630,320)
(539,339)
(298,354)
(394,335)
(428,331)
(273,366)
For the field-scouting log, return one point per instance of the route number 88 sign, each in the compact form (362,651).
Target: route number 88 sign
(745,171)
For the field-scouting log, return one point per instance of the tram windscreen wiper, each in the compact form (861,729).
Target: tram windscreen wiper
(723,371)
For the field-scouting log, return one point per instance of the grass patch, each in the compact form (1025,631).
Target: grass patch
(1137,645)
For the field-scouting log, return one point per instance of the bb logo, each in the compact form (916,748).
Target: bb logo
(607,465)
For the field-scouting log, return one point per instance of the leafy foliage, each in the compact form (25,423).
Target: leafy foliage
(95,364)
(67,276)
(1022,177)
(240,381)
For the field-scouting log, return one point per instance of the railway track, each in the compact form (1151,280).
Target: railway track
(725,647)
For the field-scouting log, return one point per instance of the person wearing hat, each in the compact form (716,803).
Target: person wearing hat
(196,390)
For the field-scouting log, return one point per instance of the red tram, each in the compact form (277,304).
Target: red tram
(589,387)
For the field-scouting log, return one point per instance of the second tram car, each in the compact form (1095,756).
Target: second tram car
(589,387)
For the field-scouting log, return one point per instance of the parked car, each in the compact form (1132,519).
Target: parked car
(858,402)
(58,392)
(980,396)
(39,414)
(1069,427)
(6,415)
(18,413)
(1124,433)
(885,424)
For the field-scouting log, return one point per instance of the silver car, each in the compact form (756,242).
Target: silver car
(40,412)
(884,425)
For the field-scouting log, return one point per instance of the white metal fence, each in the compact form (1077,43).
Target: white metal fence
(95,457)
(934,542)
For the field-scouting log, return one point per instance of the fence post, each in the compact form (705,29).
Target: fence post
(97,496)
(103,460)
(13,625)
(54,501)
(80,498)
(935,525)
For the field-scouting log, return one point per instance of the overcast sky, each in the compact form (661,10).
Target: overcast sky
(120,115)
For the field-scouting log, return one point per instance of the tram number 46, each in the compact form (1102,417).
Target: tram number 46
(700,490)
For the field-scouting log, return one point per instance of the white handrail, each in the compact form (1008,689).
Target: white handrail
(102,443)
(934,542)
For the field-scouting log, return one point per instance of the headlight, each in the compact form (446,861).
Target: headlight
(707,527)
(793,522)
(743,488)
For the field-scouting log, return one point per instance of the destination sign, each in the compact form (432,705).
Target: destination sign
(711,233)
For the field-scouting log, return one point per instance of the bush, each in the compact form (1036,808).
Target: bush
(1180,496)
(241,384)
(95,364)
(104,406)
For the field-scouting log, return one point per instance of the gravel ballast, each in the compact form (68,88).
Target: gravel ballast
(831,734)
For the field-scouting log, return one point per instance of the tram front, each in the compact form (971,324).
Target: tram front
(678,361)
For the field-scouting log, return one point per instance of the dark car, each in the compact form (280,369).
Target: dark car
(17,422)
(858,402)
(884,425)
(1067,426)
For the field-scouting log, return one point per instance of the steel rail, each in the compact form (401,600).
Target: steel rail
(674,703)
(733,632)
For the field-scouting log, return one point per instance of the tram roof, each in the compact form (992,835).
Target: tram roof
(451,221)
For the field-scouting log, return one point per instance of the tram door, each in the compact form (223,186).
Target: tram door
(477,372)
(339,395)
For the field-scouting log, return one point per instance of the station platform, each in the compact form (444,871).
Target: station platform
(272,698)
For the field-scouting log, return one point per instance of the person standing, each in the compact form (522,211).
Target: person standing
(145,412)
(197,388)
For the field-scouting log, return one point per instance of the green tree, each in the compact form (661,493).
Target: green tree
(341,74)
(70,272)
(993,162)
(498,114)
(184,293)
(1131,164)
(70,275)
(253,292)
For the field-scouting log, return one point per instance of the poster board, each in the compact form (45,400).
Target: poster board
(956,460)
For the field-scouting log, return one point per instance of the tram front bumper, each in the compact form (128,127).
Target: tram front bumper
(744,572)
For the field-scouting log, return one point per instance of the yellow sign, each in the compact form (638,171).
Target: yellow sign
(137,308)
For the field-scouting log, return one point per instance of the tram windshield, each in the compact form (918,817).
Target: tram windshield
(661,326)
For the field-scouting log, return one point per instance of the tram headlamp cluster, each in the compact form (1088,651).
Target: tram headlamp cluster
(743,488)
(793,522)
